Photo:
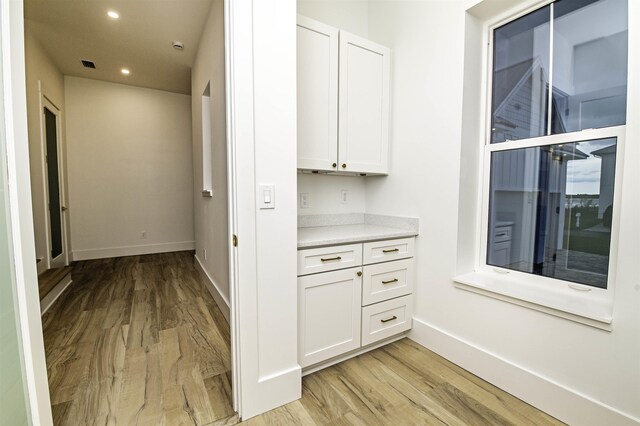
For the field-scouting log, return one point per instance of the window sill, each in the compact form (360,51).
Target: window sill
(595,310)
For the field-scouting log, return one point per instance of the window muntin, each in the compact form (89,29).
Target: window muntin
(550,210)
(576,47)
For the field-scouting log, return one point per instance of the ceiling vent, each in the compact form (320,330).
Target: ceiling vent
(88,64)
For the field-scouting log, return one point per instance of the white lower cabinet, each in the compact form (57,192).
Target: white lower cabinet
(329,315)
(345,305)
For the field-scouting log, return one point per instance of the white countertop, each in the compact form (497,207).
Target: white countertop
(319,236)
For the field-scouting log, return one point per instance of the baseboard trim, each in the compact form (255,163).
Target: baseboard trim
(56,292)
(559,401)
(273,391)
(213,288)
(104,253)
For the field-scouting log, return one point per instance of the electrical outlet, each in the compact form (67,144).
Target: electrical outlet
(143,235)
(344,196)
(304,200)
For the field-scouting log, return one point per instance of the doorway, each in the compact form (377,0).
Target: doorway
(54,185)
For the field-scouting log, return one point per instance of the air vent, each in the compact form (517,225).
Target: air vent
(88,64)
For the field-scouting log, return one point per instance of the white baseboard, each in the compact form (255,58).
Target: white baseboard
(558,400)
(213,288)
(41,266)
(104,253)
(273,391)
(56,292)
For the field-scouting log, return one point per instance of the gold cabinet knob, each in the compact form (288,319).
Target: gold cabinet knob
(334,165)
(344,165)
(359,273)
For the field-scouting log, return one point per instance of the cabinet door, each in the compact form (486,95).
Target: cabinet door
(363,106)
(317,95)
(328,315)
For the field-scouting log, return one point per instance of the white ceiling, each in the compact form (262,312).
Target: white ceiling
(71,30)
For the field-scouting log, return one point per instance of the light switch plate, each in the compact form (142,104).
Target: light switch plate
(267,196)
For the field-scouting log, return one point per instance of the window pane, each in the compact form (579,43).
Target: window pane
(521,77)
(589,64)
(550,210)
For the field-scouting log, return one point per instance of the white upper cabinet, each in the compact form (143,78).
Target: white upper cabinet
(343,101)
(317,95)
(363,136)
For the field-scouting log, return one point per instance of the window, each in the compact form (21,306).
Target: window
(207,159)
(553,144)
(550,210)
(558,73)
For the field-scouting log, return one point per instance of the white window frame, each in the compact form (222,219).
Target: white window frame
(581,303)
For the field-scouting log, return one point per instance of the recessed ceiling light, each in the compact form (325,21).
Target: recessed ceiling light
(113,14)
(125,71)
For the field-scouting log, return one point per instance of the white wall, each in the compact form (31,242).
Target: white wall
(348,15)
(580,374)
(325,190)
(130,170)
(15,132)
(39,67)
(211,213)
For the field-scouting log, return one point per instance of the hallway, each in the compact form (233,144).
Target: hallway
(138,340)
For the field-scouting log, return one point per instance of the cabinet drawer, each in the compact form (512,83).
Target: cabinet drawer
(324,259)
(383,251)
(385,319)
(502,234)
(387,280)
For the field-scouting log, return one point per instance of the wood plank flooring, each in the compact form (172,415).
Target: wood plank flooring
(50,278)
(139,340)
(401,384)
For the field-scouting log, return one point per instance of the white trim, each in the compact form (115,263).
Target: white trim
(561,138)
(107,252)
(213,288)
(232,216)
(55,293)
(562,301)
(551,63)
(46,102)
(273,387)
(21,212)
(560,401)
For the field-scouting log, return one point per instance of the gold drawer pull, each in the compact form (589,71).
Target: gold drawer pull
(395,280)
(391,250)
(389,319)
(329,259)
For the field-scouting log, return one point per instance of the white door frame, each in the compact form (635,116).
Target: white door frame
(232,211)
(47,102)
(260,383)
(21,217)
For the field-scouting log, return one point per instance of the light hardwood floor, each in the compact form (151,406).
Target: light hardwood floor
(139,340)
